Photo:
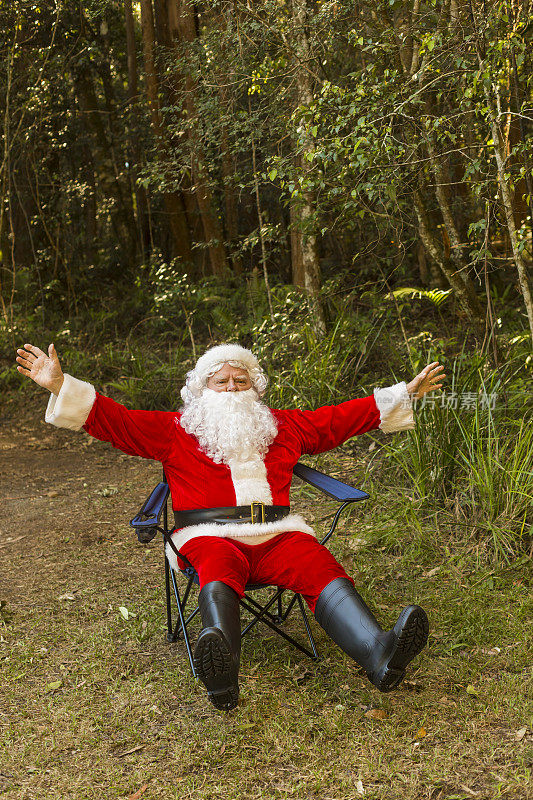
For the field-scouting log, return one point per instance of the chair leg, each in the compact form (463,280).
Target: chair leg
(183,622)
(307,626)
(262,617)
(262,611)
(177,628)
(170,637)
(273,617)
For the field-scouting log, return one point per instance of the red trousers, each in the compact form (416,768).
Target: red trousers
(290,560)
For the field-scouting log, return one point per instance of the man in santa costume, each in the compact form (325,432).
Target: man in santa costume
(229,459)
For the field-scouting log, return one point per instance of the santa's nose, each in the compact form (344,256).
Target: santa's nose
(232,386)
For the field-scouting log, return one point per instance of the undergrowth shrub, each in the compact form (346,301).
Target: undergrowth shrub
(473,462)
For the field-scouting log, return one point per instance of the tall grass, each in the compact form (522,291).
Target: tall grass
(476,463)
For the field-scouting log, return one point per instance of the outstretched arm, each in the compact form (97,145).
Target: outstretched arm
(389,409)
(75,404)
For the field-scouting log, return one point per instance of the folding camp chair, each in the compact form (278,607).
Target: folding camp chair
(153,517)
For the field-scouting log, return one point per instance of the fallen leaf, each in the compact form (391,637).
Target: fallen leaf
(372,447)
(138,793)
(124,612)
(66,597)
(129,752)
(413,685)
(222,749)
(376,713)
(467,790)
(11,539)
(53,493)
(359,787)
(431,572)
(421,733)
(494,651)
(472,690)
(53,687)
(108,491)
(519,735)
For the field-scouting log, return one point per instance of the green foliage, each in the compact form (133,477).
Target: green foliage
(153,380)
(435,296)
(471,456)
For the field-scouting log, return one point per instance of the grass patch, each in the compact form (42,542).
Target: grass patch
(96,706)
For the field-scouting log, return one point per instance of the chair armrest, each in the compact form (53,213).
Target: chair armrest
(150,514)
(330,486)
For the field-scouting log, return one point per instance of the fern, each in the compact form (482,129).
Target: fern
(435,296)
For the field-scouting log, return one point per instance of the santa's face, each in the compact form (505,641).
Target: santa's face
(229,379)
(231,424)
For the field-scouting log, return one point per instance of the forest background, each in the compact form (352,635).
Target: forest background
(346,187)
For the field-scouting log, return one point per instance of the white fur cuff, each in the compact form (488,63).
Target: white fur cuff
(395,408)
(71,407)
(293,522)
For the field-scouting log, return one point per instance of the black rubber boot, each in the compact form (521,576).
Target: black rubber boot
(217,651)
(384,655)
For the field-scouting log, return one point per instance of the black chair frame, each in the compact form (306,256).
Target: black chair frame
(153,517)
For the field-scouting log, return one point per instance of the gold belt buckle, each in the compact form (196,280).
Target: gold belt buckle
(254,512)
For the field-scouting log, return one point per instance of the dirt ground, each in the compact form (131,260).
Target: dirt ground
(64,494)
(93,705)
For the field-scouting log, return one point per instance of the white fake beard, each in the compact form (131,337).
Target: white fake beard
(230,426)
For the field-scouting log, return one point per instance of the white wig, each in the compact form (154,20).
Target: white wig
(213,360)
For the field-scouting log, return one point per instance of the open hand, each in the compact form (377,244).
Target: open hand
(44,369)
(426,381)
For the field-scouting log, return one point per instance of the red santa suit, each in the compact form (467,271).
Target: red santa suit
(285,552)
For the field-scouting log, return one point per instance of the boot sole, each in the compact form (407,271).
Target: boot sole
(412,631)
(213,662)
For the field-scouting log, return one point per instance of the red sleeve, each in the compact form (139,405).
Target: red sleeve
(139,433)
(330,426)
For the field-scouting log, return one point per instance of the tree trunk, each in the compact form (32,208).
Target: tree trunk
(212,226)
(296,247)
(173,201)
(230,200)
(122,221)
(507,198)
(307,268)
(434,249)
(134,151)
(456,247)
(506,194)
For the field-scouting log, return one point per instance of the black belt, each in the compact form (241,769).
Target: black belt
(255,513)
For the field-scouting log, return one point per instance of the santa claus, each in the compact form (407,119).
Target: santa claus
(229,459)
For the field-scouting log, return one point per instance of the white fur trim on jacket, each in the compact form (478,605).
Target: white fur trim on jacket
(250,481)
(222,353)
(213,359)
(71,407)
(293,522)
(395,408)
